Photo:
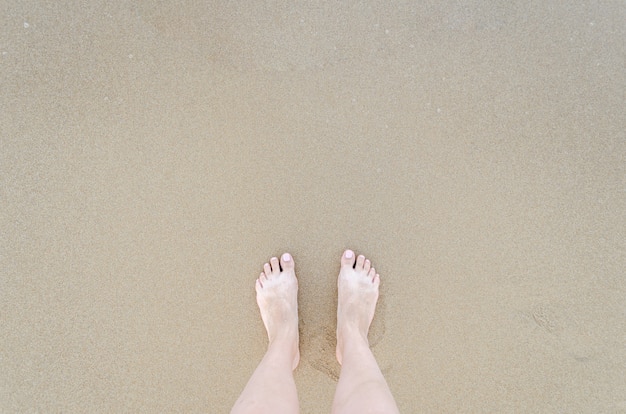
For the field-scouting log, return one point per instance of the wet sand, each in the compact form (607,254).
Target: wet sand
(154,156)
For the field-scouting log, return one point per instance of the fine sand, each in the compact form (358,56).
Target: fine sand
(154,154)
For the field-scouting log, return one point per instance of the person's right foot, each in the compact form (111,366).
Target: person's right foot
(358,292)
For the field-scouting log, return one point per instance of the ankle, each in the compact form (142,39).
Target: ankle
(284,342)
(351,338)
(284,349)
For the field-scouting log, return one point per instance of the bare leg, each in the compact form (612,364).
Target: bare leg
(362,387)
(271,389)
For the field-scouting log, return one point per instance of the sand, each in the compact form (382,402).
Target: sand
(155,154)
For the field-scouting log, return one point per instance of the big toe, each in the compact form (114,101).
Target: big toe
(286,262)
(348,259)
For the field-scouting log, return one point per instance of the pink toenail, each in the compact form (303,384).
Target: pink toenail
(349,254)
(286,257)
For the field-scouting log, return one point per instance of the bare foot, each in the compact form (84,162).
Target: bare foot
(358,292)
(277,297)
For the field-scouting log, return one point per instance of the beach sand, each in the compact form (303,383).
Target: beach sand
(155,154)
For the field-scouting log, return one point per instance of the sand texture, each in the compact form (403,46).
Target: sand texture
(154,154)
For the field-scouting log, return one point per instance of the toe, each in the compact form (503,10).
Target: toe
(258,285)
(371,273)
(376,280)
(367,265)
(360,261)
(267,269)
(275,265)
(348,258)
(286,261)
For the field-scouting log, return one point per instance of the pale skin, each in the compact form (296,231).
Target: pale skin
(361,388)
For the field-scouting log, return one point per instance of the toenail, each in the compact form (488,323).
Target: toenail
(349,254)
(286,257)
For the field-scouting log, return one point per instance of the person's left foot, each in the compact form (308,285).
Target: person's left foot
(277,297)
